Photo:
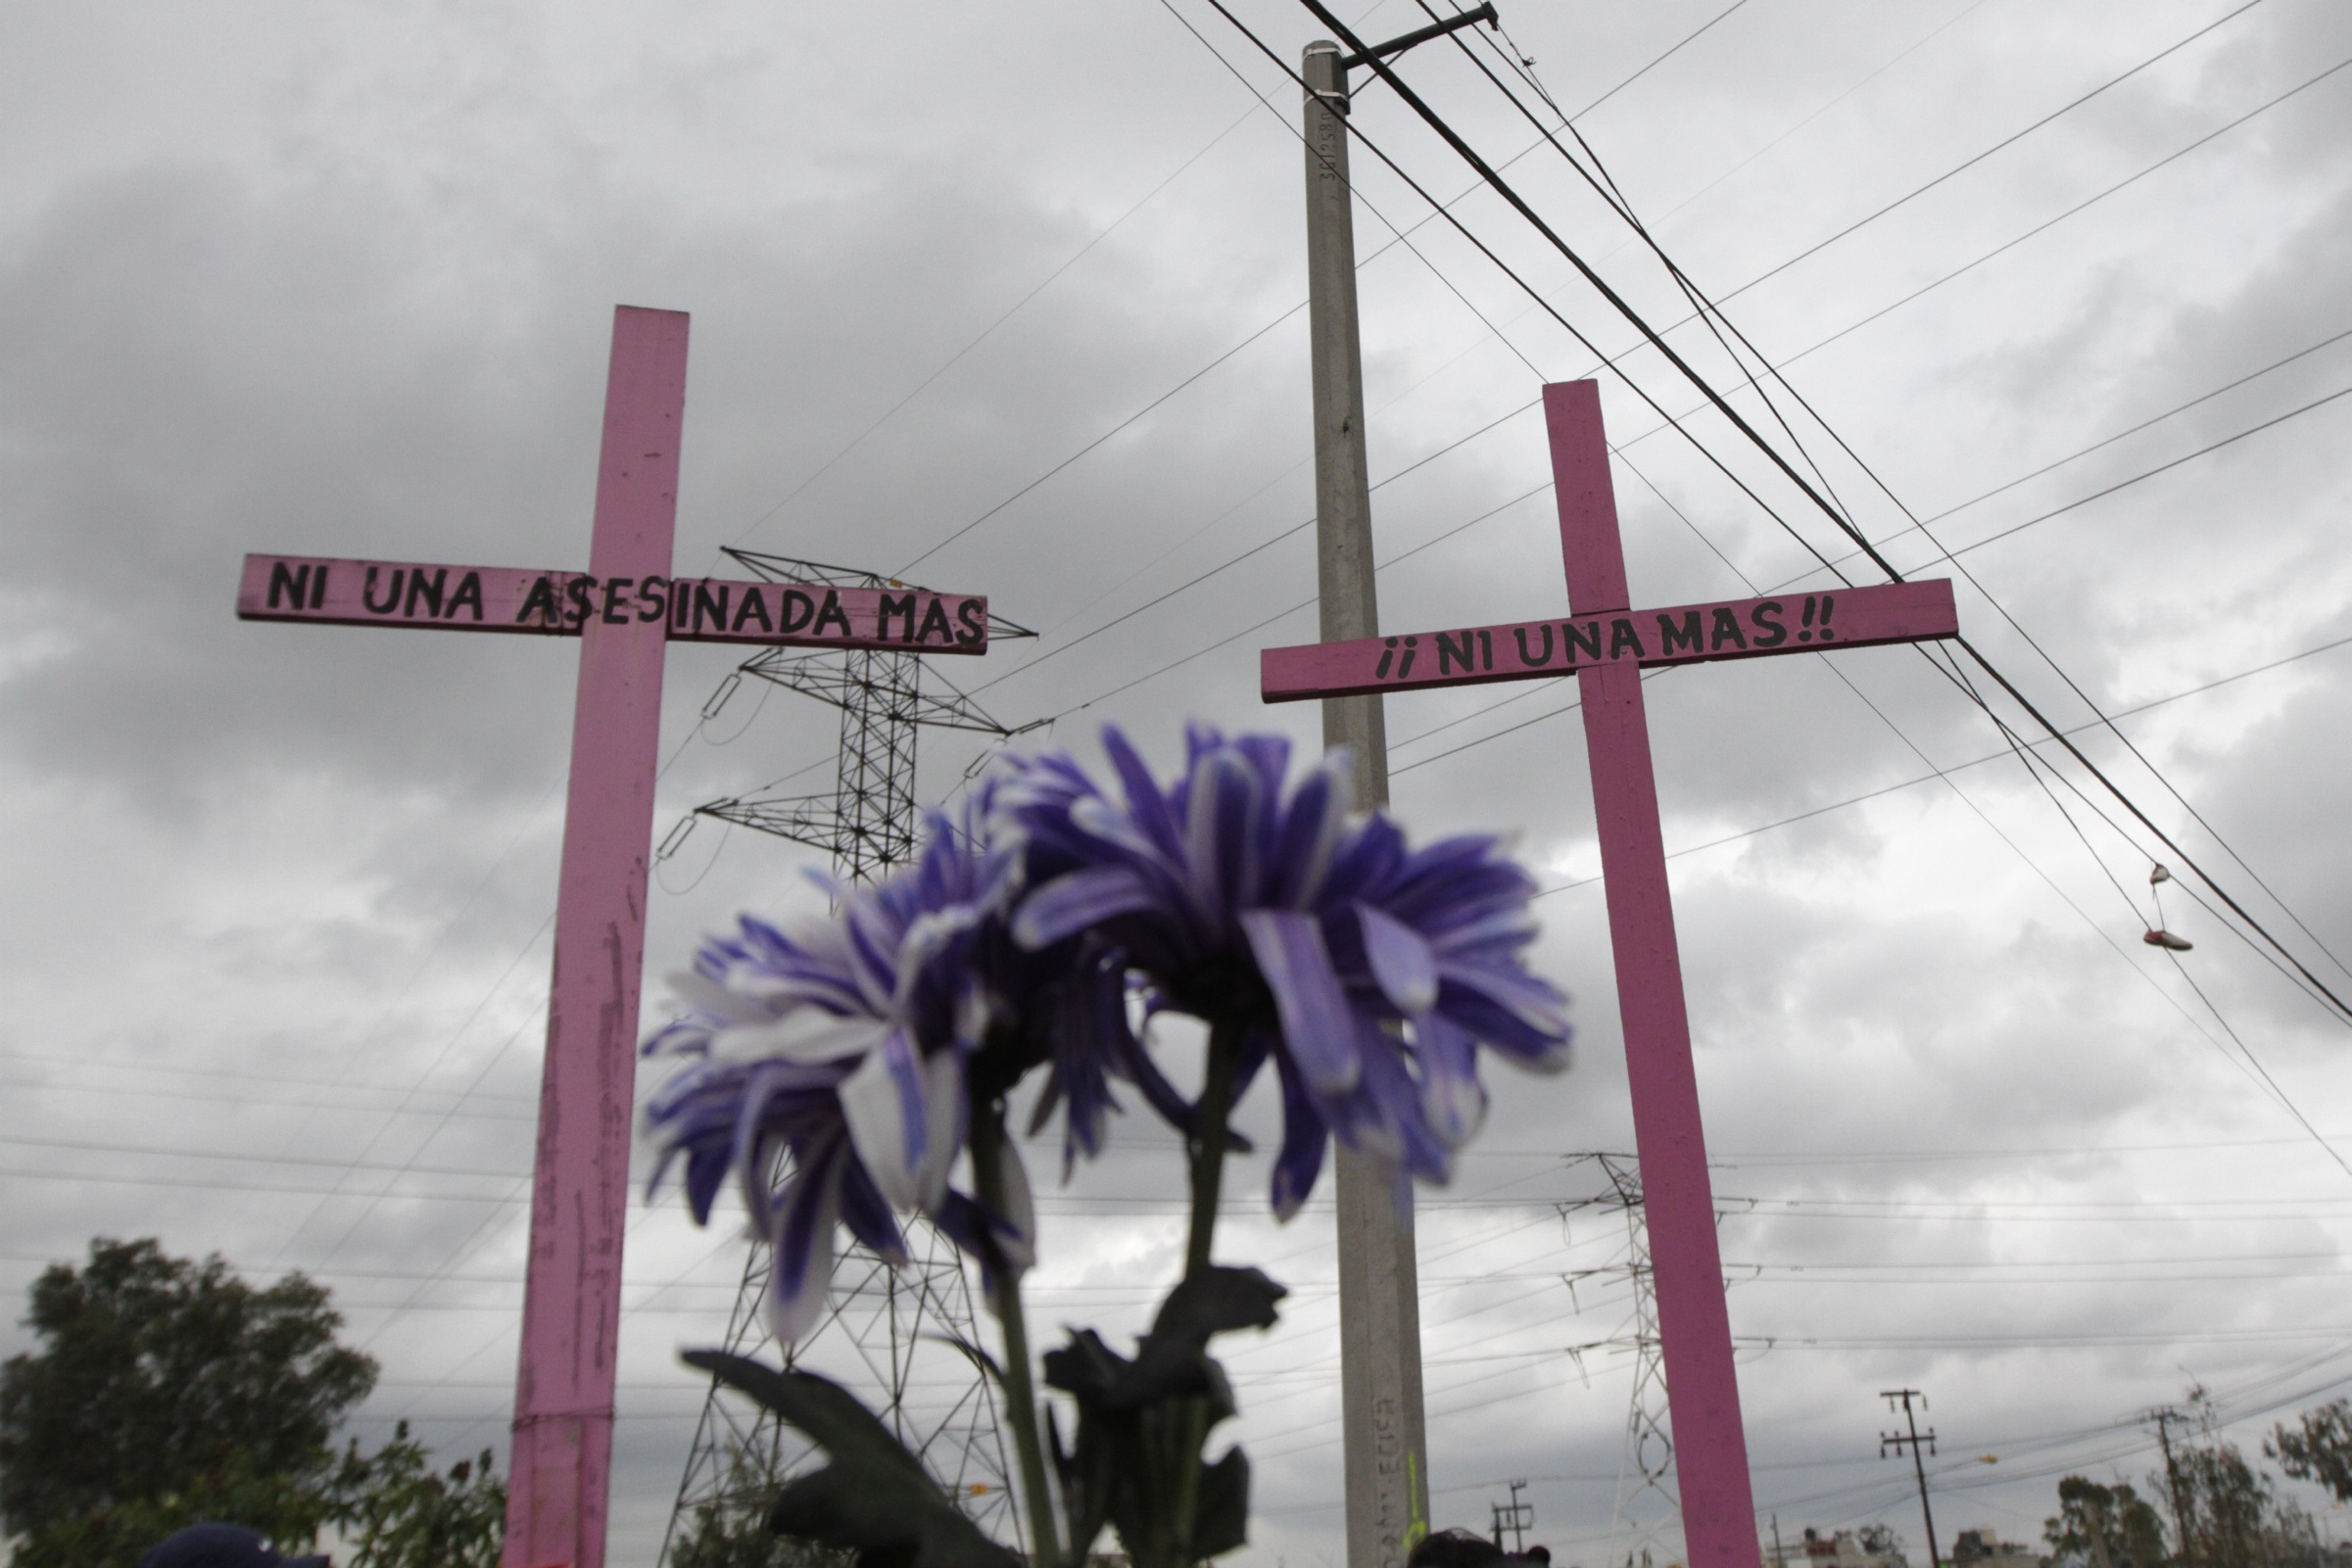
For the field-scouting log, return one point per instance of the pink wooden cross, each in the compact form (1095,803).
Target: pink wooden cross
(1606,644)
(625,609)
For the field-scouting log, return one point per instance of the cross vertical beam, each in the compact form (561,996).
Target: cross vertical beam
(1703,1394)
(560,1471)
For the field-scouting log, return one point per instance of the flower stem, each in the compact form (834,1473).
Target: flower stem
(1210,1116)
(1021,1396)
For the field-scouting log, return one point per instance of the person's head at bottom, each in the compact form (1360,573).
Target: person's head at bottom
(219,1545)
(1461,1549)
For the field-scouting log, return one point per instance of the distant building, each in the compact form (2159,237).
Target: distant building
(1840,1550)
(1983,1548)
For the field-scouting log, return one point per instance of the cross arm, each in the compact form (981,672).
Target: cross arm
(430,597)
(1682,633)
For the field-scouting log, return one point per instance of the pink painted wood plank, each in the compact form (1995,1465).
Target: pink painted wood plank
(559,1474)
(1582,490)
(916,620)
(1682,633)
(424,594)
(1703,1390)
(429,596)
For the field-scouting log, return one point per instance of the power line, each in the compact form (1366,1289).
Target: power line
(2122,184)
(1925,777)
(1836,516)
(1438,210)
(1685,43)
(1099,440)
(957,358)
(1967,163)
(1953,554)
(2108,441)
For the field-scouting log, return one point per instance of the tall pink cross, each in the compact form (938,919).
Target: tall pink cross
(626,608)
(1606,644)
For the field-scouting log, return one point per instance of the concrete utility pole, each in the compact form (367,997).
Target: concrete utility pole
(1899,1442)
(1380,1286)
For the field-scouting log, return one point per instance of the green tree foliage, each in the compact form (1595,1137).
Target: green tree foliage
(395,1512)
(730,1529)
(2225,1512)
(2318,1447)
(165,1390)
(292,1508)
(2231,1517)
(2103,1526)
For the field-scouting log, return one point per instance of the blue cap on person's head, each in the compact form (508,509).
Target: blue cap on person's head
(218,1546)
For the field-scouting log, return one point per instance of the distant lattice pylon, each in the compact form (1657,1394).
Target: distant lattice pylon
(1646,1524)
(886,1331)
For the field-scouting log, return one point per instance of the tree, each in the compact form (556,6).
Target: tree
(2318,1447)
(1882,1541)
(2226,1513)
(2103,1526)
(164,1391)
(730,1530)
(397,1512)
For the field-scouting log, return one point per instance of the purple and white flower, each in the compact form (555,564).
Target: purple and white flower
(1366,971)
(824,1069)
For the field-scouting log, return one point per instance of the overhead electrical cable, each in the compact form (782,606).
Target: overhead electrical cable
(2088,201)
(1438,210)
(1714,308)
(2010,140)
(1974,762)
(1099,440)
(2108,441)
(1738,422)
(1623,455)
(1230,562)
(1691,38)
(1015,308)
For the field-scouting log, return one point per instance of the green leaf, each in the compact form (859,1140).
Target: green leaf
(1221,1518)
(1142,1425)
(1173,1358)
(875,1498)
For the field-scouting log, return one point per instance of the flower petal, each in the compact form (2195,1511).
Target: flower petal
(1311,833)
(1318,1027)
(868,1216)
(1452,1098)
(1076,902)
(1534,1002)
(1304,1137)
(712,996)
(806,1034)
(1146,806)
(1400,960)
(943,1124)
(885,1105)
(803,1271)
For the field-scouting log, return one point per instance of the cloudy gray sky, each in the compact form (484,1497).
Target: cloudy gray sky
(338,280)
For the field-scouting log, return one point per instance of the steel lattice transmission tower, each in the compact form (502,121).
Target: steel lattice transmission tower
(1642,1529)
(867,823)
(885,1333)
